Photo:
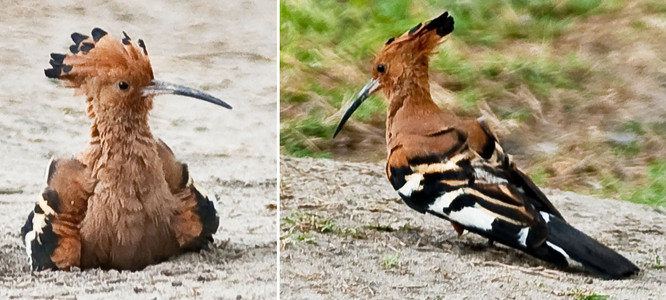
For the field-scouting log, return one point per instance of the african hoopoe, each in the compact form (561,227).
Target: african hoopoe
(454,168)
(125,202)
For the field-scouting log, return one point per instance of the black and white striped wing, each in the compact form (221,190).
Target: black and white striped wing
(494,154)
(200,209)
(467,190)
(51,232)
(37,233)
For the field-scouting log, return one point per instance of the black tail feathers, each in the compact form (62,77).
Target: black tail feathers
(568,247)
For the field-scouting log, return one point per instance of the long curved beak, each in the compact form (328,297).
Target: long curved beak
(367,90)
(160,88)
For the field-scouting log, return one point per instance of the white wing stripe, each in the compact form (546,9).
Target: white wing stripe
(444,201)
(522,236)
(484,176)
(413,184)
(571,262)
(473,217)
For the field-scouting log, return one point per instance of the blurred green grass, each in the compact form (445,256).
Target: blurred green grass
(502,51)
(318,36)
(652,191)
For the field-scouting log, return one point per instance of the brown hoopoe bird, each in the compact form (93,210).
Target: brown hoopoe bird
(125,202)
(454,168)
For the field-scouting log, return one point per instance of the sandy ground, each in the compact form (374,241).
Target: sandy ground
(366,224)
(226,48)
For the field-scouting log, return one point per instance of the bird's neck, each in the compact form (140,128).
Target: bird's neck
(410,91)
(412,112)
(123,143)
(126,166)
(129,178)
(409,98)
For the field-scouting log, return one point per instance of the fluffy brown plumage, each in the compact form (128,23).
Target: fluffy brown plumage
(125,202)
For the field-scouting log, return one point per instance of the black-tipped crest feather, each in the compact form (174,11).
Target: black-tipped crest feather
(52,73)
(126,39)
(97,34)
(57,57)
(55,64)
(86,47)
(414,29)
(143,46)
(443,24)
(78,38)
(74,49)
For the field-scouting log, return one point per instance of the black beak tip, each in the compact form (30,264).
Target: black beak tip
(337,130)
(340,125)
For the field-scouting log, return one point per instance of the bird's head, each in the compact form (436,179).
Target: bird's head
(114,74)
(403,59)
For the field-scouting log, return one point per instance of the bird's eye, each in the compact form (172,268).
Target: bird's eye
(381,68)
(123,85)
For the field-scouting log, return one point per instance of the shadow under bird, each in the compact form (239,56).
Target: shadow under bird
(125,202)
(454,168)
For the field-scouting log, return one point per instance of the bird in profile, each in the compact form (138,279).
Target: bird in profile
(125,202)
(454,168)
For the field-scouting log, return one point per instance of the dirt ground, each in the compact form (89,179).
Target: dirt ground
(226,48)
(374,246)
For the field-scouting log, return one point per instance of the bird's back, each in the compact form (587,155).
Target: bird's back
(427,134)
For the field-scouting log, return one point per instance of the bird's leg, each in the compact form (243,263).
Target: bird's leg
(458,228)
